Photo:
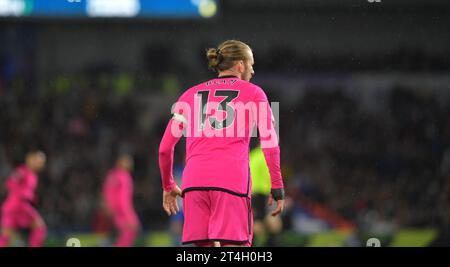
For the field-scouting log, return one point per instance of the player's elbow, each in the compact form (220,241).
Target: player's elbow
(270,142)
(164,151)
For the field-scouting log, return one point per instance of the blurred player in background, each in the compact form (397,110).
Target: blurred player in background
(216,180)
(118,201)
(266,227)
(17,211)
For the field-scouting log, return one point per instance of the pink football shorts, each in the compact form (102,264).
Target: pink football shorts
(18,215)
(213,215)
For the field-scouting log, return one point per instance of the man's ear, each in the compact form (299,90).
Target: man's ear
(241,66)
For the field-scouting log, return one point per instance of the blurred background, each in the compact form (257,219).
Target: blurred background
(363,87)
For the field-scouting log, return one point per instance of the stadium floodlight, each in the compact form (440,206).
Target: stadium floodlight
(12,7)
(108,8)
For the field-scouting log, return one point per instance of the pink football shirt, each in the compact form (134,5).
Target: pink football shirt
(22,184)
(217,118)
(118,190)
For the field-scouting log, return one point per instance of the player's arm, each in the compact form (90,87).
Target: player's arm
(123,196)
(170,138)
(14,182)
(126,201)
(110,186)
(269,144)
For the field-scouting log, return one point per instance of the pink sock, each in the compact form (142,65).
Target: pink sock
(126,238)
(37,237)
(4,241)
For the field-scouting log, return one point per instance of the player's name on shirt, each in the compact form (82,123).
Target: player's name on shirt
(221,81)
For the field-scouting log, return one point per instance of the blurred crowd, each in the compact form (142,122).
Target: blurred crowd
(82,123)
(380,170)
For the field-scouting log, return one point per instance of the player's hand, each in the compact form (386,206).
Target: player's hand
(170,204)
(107,211)
(133,227)
(280,206)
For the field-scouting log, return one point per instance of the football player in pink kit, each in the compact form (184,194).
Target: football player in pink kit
(118,200)
(17,211)
(217,118)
